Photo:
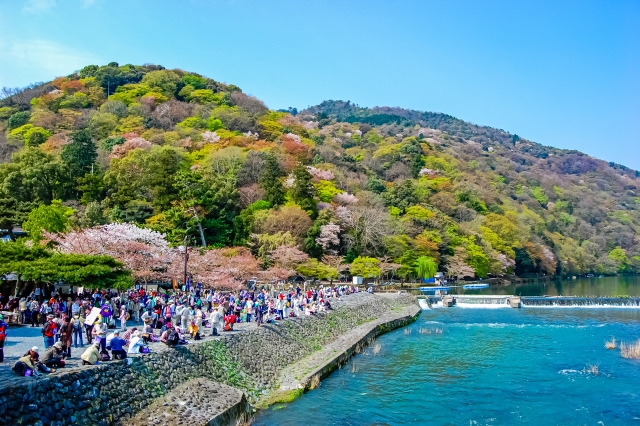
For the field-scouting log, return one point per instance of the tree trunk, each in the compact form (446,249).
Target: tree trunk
(18,287)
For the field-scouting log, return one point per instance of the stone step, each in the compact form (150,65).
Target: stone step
(197,402)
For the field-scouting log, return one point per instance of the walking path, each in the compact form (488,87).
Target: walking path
(21,338)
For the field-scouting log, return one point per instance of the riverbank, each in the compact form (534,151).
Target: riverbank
(483,367)
(252,361)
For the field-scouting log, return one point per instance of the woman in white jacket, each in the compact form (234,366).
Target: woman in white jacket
(135,343)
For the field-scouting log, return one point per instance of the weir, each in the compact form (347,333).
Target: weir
(536,301)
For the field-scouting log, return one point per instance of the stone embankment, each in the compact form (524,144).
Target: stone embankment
(258,361)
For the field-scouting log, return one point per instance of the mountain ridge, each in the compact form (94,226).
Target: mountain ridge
(145,144)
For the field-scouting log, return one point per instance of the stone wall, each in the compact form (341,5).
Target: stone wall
(109,393)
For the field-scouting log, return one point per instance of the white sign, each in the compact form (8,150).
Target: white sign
(93,316)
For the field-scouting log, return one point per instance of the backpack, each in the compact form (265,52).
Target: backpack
(172,338)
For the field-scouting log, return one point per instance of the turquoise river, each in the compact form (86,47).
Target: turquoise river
(483,366)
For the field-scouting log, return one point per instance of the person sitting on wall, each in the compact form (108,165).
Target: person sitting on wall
(91,355)
(117,346)
(54,356)
(171,336)
(30,364)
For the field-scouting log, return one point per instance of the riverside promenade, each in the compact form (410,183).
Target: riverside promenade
(258,361)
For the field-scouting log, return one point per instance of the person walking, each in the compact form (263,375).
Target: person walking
(77,330)
(23,310)
(66,336)
(49,330)
(123,317)
(34,306)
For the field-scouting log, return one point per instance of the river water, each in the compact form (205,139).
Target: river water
(483,367)
(605,286)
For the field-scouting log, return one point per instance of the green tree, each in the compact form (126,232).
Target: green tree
(303,191)
(35,176)
(270,181)
(367,267)
(51,218)
(476,258)
(36,264)
(243,223)
(425,267)
(164,81)
(619,256)
(13,213)
(315,269)
(18,119)
(80,155)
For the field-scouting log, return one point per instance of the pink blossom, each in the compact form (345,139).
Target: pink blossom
(346,198)
(329,236)
(319,174)
(210,137)
(344,214)
(120,151)
(144,252)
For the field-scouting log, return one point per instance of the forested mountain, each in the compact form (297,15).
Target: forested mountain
(192,157)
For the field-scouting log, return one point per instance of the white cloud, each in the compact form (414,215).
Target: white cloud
(88,3)
(39,6)
(25,61)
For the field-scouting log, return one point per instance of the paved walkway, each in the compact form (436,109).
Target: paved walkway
(22,338)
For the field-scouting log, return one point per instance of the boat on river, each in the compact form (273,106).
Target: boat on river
(475,286)
(435,288)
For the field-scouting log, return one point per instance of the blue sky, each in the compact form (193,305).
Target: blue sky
(565,74)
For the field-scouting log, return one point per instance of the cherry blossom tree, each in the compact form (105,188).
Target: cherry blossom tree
(457,267)
(319,174)
(346,198)
(223,268)
(120,151)
(210,137)
(329,237)
(144,252)
(288,256)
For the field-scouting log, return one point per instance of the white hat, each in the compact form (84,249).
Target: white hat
(34,349)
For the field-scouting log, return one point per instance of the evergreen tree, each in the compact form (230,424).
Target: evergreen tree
(270,181)
(80,155)
(303,191)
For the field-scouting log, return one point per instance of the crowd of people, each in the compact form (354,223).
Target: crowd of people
(172,317)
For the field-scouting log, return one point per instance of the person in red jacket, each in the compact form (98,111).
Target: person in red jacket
(3,336)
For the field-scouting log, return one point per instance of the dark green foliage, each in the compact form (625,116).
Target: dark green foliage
(244,221)
(401,196)
(80,155)
(37,264)
(270,181)
(112,141)
(310,246)
(303,191)
(18,119)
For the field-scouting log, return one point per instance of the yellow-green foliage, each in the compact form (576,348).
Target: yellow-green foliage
(418,212)
(29,135)
(130,93)
(326,190)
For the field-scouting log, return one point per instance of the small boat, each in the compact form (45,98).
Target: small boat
(424,304)
(474,286)
(435,288)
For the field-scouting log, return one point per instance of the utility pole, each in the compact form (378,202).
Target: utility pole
(186,258)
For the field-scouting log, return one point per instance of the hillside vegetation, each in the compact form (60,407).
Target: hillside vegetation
(400,192)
